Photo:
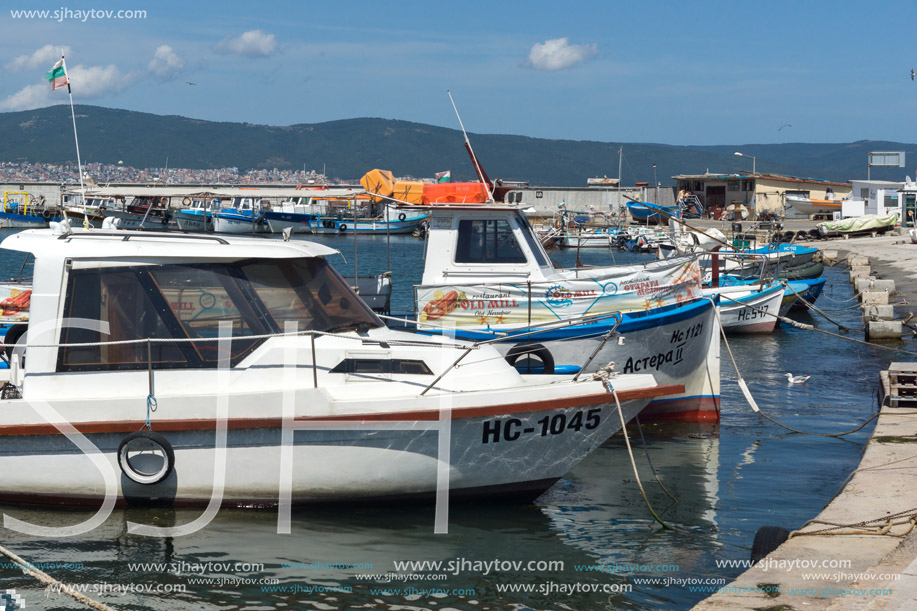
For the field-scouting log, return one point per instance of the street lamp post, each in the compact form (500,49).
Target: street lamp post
(753,160)
(655,186)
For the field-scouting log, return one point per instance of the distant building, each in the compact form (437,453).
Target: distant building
(759,193)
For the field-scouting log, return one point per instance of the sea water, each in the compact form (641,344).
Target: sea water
(588,543)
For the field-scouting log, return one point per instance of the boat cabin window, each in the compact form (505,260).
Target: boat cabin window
(534,245)
(188,302)
(487,241)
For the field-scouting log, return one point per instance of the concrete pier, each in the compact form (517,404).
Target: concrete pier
(859,568)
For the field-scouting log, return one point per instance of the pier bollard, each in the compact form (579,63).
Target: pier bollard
(859,271)
(874,284)
(883,329)
(878,312)
(875,298)
(881,285)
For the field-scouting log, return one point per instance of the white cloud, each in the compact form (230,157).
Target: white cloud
(558,54)
(253,43)
(33,96)
(166,63)
(96,81)
(42,58)
(87,82)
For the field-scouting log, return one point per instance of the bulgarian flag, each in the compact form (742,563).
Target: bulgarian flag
(58,75)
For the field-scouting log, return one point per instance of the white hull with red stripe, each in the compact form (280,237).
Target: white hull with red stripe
(335,415)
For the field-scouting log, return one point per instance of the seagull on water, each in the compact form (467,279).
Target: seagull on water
(791,379)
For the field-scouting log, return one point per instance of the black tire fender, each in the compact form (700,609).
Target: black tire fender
(767,539)
(12,336)
(402,216)
(537,350)
(145,443)
(342,227)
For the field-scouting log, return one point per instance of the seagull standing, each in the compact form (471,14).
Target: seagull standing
(791,379)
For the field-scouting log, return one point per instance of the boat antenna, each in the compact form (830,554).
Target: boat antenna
(474,159)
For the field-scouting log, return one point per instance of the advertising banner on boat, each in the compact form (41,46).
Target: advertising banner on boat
(639,289)
(14,303)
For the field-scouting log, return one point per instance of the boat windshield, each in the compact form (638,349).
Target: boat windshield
(189,301)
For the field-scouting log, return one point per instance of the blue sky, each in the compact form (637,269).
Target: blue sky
(644,71)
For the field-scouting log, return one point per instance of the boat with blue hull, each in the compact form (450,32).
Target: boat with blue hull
(645,212)
(394,221)
(196,214)
(244,215)
(19,213)
(486,275)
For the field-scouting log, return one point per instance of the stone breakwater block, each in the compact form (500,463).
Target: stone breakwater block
(859,271)
(874,284)
(855,259)
(878,312)
(882,285)
(875,298)
(829,256)
(883,329)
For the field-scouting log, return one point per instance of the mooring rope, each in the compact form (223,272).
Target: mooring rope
(808,327)
(52,583)
(754,406)
(604,375)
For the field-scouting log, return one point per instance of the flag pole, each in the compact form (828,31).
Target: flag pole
(76,141)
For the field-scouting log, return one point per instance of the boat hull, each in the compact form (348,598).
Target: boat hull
(678,345)
(365,227)
(502,449)
(188,221)
(223,223)
(11,220)
(298,223)
(751,313)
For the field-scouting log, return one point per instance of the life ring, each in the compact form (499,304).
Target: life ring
(442,306)
(342,227)
(402,216)
(46,214)
(536,351)
(146,457)
(186,201)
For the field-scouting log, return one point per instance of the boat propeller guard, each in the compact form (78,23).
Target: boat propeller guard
(146,457)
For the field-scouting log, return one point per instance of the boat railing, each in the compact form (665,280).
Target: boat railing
(125,236)
(311,333)
(618,317)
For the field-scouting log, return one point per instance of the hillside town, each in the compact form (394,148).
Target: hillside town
(102,173)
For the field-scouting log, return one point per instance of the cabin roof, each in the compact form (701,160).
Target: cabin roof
(100,244)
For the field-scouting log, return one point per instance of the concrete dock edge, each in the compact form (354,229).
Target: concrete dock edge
(854,571)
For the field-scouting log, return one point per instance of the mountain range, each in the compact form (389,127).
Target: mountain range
(350,147)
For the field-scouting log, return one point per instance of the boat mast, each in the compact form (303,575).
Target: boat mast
(474,159)
(620,161)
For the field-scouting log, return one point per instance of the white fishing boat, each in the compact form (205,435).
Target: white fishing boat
(487,276)
(243,215)
(170,362)
(745,309)
(601,237)
(196,214)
